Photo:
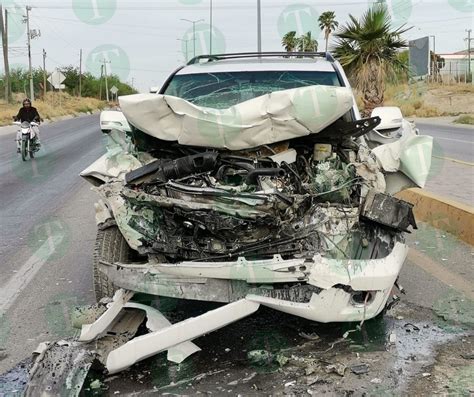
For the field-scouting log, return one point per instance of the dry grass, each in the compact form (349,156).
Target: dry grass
(429,100)
(54,105)
(465,119)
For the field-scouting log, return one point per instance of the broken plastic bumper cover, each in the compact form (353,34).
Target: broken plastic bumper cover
(318,283)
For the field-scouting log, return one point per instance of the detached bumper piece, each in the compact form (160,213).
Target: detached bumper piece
(388,211)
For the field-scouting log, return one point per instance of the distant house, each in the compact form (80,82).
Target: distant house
(455,65)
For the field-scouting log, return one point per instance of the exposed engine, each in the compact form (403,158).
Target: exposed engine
(292,198)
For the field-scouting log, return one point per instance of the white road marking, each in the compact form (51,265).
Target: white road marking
(10,292)
(454,140)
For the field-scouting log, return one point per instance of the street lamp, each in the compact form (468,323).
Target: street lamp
(186,47)
(194,32)
(259,26)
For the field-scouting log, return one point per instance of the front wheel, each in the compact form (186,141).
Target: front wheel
(23,150)
(110,246)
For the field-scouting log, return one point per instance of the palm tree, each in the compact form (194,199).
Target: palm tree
(306,43)
(289,41)
(327,22)
(368,50)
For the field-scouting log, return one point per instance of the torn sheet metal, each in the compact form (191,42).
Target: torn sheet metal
(270,118)
(360,275)
(410,155)
(148,345)
(328,306)
(59,369)
(90,332)
(119,159)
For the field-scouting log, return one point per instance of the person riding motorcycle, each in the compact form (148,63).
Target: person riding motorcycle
(27,113)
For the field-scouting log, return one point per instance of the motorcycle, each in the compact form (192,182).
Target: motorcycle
(29,142)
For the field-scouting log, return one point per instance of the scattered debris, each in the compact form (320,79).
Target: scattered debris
(96,384)
(376,381)
(260,357)
(312,336)
(468,356)
(392,338)
(360,369)
(336,368)
(264,357)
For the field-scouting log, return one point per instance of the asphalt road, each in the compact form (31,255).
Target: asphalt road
(47,232)
(456,142)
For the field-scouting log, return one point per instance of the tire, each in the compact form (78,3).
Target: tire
(110,246)
(23,150)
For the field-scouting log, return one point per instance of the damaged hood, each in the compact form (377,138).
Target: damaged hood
(270,118)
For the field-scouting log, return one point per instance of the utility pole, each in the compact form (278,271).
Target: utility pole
(435,64)
(100,84)
(469,54)
(80,73)
(210,28)
(28,33)
(44,75)
(259,26)
(106,82)
(4,32)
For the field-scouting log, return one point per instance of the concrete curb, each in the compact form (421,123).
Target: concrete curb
(442,213)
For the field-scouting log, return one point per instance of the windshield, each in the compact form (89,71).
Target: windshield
(224,89)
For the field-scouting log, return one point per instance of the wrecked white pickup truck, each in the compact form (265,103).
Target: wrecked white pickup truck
(251,180)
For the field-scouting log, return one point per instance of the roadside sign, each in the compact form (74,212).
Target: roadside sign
(56,79)
(114,90)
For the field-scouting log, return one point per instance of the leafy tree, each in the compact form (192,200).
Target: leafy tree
(306,43)
(290,41)
(92,86)
(368,50)
(327,23)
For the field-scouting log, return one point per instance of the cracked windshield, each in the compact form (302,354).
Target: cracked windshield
(222,90)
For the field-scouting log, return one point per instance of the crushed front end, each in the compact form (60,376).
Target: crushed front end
(302,225)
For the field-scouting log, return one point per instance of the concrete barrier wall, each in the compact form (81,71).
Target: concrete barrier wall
(442,213)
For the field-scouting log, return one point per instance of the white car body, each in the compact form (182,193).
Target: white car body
(314,285)
(113,119)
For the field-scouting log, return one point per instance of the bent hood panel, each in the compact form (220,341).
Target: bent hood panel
(264,120)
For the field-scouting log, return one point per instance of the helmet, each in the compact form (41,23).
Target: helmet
(26,100)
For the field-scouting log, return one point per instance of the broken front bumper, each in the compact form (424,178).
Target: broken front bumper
(321,289)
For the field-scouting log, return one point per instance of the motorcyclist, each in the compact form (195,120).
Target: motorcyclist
(27,113)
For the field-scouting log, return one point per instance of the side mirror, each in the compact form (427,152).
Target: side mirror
(391,117)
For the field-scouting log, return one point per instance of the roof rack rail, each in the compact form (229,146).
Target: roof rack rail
(241,55)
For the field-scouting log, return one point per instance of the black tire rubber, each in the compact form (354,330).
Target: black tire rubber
(23,150)
(110,246)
